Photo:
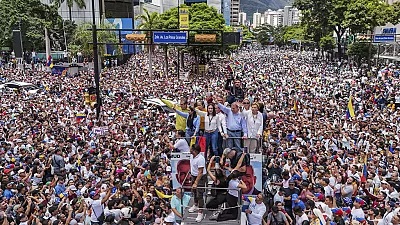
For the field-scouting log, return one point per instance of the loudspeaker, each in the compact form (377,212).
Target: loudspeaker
(231,38)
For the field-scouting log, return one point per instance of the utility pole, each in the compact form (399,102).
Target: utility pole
(96,63)
(179,27)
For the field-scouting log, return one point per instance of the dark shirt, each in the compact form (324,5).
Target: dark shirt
(289,192)
(235,160)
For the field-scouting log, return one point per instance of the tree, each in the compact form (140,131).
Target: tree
(70,3)
(82,38)
(327,44)
(33,16)
(149,21)
(264,34)
(201,17)
(360,51)
(363,16)
(321,17)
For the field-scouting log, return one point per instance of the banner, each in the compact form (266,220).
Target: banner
(253,176)
(184,18)
(180,169)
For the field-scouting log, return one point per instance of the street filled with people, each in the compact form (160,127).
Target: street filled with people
(328,131)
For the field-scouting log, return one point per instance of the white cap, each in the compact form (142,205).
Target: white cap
(168,169)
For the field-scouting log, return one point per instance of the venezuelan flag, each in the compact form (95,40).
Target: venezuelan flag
(49,61)
(80,117)
(364,171)
(229,68)
(350,109)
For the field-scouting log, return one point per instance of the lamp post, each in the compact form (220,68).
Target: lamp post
(179,27)
(96,63)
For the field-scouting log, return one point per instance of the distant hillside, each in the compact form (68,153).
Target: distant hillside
(251,6)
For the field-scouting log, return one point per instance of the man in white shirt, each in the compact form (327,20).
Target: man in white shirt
(181,144)
(97,205)
(254,126)
(279,196)
(357,211)
(199,179)
(256,211)
(300,216)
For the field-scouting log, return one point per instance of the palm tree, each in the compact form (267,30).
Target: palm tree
(70,3)
(149,21)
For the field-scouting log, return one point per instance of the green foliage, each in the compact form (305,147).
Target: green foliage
(169,19)
(264,34)
(360,51)
(364,15)
(294,32)
(83,36)
(70,3)
(34,17)
(202,16)
(394,18)
(149,21)
(327,43)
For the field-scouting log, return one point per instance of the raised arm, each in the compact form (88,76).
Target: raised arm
(183,114)
(168,103)
(200,113)
(224,108)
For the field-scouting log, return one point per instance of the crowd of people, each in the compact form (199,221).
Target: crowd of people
(329,133)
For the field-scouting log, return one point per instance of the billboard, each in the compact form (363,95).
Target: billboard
(180,166)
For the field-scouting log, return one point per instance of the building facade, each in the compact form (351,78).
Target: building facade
(291,16)
(235,10)
(274,18)
(242,18)
(256,19)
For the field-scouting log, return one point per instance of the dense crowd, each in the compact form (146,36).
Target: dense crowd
(329,132)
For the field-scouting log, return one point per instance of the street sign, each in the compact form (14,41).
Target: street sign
(169,37)
(384,38)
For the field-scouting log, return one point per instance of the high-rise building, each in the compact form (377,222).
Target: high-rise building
(256,19)
(81,15)
(216,4)
(291,16)
(235,10)
(392,1)
(242,18)
(274,18)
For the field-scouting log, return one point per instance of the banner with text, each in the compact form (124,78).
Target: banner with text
(184,18)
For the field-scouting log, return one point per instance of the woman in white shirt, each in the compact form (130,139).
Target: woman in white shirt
(232,197)
(211,121)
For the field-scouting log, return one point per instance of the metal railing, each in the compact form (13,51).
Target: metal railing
(239,201)
(256,150)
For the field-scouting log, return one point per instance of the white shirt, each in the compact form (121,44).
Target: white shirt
(301,219)
(278,198)
(234,183)
(257,213)
(182,145)
(210,122)
(97,210)
(222,123)
(357,213)
(254,124)
(197,162)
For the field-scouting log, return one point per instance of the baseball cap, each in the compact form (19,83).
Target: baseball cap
(94,193)
(295,197)
(168,169)
(72,188)
(337,212)
(359,201)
